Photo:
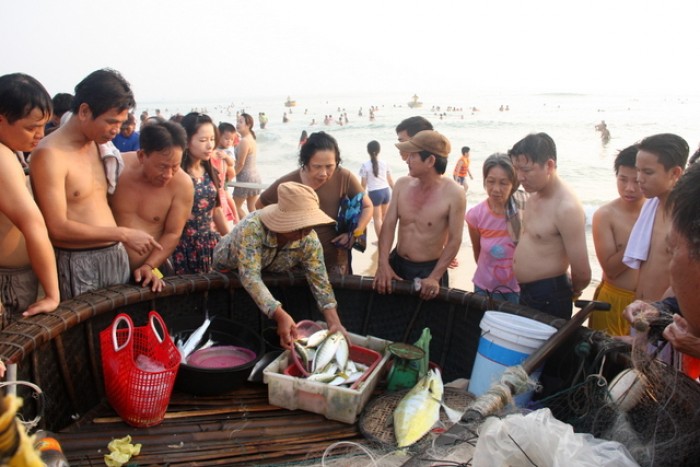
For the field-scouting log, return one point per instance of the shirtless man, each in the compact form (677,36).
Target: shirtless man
(70,186)
(553,238)
(153,175)
(26,256)
(683,268)
(429,210)
(612,224)
(407,130)
(660,162)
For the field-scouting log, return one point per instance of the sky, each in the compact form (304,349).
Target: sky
(190,50)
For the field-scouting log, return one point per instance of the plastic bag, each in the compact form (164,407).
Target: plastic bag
(546,441)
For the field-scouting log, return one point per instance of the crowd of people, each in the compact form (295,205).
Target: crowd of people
(108,204)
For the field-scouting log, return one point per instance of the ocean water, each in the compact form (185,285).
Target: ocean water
(584,162)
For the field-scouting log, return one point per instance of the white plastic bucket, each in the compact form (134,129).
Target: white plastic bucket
(506,340)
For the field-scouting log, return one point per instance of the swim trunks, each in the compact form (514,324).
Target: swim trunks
(552,296)
(18,290)
(611,321)
(409,270)
(81,271)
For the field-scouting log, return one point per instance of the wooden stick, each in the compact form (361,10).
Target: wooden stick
(197,413)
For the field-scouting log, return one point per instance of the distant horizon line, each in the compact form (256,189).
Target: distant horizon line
(431,96)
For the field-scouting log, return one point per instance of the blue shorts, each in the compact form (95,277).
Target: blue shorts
(379,197)
(553,296)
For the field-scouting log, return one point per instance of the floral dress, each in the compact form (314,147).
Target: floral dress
(194,252)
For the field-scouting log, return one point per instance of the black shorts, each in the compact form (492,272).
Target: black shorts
(409,270)
(553,296)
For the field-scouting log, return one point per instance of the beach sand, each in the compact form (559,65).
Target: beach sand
(365,264)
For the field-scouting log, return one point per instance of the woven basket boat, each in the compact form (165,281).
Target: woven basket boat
(60,353)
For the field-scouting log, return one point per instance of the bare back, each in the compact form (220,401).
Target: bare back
(553,237)
(654,272)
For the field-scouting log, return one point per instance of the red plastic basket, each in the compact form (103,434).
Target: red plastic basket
(140,396)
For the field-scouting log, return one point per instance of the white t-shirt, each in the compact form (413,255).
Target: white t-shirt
(379,182)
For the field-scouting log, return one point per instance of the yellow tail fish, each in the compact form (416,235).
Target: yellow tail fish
(419,410)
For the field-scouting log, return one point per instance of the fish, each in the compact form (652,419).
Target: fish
(303,354)
(326,375)
(256,374)
(321,377)
(315,339)
(342,354)
(346,378)
(326,351)
(327,358)
(419,410)
(193,341)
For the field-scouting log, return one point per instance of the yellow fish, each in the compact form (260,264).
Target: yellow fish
(419,409)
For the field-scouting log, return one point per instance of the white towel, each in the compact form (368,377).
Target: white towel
(114,164)
(640,239)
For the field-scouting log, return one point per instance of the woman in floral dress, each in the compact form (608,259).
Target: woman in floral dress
(194,252)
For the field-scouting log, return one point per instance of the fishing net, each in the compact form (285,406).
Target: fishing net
(652,408)
(632,397)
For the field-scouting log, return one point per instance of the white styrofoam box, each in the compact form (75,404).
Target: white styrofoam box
(334,402)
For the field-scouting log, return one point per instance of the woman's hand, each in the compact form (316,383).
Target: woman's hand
(344,240)
(333,322)
(337,327)
(286,328)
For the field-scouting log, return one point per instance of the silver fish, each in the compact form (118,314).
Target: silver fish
(346,377)
(326,352)
(327,374)
(194,340)
(342,355)
(303,354)
(321,377)
(315,339)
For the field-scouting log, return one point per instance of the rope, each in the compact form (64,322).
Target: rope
(365,451)
(514,381)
